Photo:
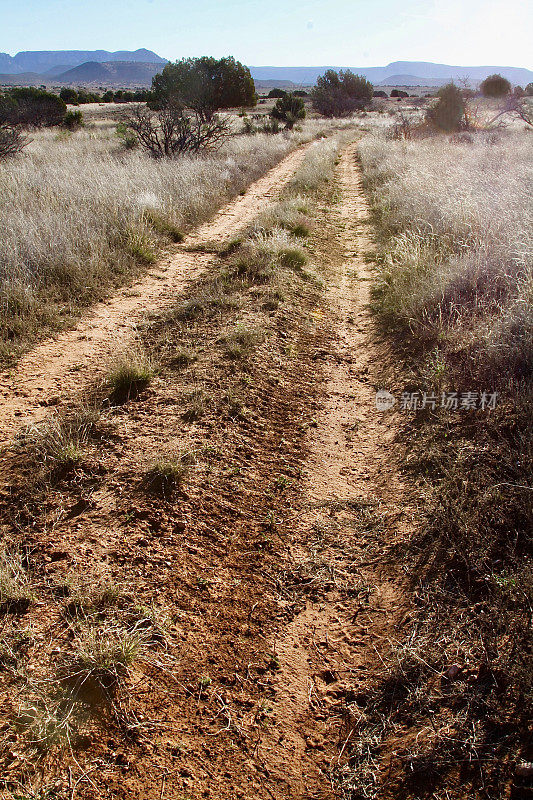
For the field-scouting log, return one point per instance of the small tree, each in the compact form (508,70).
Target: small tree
(529,90)
(277,93)
(204,85)
(289,109)
(338,94)
(448,113)
(171,132)
(495,86)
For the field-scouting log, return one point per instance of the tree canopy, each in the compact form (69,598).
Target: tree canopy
(338,94)
(495,86)
(205,85)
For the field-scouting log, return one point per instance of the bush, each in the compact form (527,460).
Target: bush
(277,93)
(73,120)
(399,93)
(170,132)
(448,113)
(289,109)
(529,90)
(338,94)
(33,108)
(495,86)
(380,94)
(11,141)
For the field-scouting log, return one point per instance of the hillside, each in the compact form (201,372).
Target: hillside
(421,72)
(120,73)
(42,61)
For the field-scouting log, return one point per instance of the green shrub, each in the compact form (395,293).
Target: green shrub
(495,86)
(448,113)
(35,108)
(288,109)
(73,120)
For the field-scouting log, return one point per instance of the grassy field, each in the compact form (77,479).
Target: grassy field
(219,564)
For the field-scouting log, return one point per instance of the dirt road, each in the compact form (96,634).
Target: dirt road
(60,367)
(351,494)
(267,566)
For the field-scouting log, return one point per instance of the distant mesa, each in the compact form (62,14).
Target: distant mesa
(136,68)
(109,73)
(57,61)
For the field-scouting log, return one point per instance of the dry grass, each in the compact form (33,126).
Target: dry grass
(80,214)
(454,285)
(130,371)
(459,242)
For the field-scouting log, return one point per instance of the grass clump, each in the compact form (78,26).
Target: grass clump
(238,343)
(90,598)
(196,403)
(167,474)
(163,226)
(100,659)
(140,246)
(183,357)
(15,589)
(130,372)
(60,444)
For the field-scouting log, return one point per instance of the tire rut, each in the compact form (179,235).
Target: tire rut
(350,606)
(59,368)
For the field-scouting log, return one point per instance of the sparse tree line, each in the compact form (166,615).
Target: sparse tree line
(180,113)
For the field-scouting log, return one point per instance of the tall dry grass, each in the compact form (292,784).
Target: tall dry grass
(80,213)
(454,278)
(458,260)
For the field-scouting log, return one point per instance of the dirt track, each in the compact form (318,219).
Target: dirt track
(59,367)
(286,618)
(327,652)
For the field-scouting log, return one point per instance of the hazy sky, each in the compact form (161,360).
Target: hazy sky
(281,32)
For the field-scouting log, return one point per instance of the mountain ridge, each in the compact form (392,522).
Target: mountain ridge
(61,66)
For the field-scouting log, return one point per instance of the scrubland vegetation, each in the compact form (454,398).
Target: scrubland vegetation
(454,291)
(457,265)
(87,210)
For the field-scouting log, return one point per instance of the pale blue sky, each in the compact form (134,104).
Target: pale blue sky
(281,32)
